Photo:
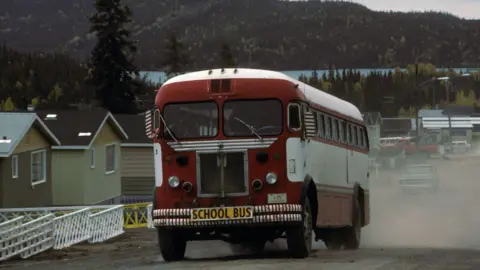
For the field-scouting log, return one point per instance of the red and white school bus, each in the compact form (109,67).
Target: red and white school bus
(248,156)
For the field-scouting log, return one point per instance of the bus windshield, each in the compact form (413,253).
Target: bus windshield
(191,120)
(263,116)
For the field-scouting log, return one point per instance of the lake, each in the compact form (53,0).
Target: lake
(158,77)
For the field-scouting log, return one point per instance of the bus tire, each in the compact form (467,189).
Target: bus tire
(299,238)
(172,244)
(353,233)
(334,241)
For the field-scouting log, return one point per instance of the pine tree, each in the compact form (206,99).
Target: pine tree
(175,60)
(228,60)
(111,69)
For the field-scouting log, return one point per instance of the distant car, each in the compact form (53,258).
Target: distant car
(410,146)
(421,177)
(461,147)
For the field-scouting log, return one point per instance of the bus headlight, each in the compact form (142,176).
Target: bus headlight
(271,178)
(173,182)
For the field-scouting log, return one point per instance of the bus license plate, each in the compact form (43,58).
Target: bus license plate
(277,198)
(221,213)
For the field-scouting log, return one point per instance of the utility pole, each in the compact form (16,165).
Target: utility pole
(417,120)
(447,81)
(450,131)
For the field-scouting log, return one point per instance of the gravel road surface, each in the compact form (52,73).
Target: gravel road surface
(417,231)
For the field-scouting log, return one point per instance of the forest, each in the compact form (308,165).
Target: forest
(48,81)
(109,78)
(400,93)
(278,35)
(58,81)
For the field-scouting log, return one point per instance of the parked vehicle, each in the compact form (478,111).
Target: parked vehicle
(420,177)
(424,146)
(461,147)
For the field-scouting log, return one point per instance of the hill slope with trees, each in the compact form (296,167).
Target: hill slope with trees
(261,33)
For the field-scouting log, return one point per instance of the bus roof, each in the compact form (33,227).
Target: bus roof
(312,94)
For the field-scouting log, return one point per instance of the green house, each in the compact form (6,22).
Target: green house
(86,166)
(25,161)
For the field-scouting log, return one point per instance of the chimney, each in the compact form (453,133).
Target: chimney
(31,108)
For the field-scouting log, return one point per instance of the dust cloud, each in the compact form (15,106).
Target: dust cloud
(447,218)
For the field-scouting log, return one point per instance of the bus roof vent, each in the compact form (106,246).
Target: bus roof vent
(220,86)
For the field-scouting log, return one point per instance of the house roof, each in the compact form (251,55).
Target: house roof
(430,113)
(78,129)
(134,125)
(16,126)
(372,118)
(458,110)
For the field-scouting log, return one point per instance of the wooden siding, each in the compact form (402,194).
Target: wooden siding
(98,185)
(137,162)
(32,140)
(67,177)
(19,192)
(138,173)
(137,186)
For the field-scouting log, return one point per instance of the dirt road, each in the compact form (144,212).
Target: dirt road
(421,231)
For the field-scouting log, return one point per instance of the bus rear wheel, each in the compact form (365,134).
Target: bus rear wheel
(353,233)
(299,238)
(172,244)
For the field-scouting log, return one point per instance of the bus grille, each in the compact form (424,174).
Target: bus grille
(209,174)
(234,174)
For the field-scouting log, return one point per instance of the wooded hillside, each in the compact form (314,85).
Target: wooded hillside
(262,33)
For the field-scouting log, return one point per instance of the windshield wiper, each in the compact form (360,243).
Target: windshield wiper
(254,131)
(167,128)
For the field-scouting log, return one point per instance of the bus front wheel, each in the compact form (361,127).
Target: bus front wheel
(172,244)
(299,238)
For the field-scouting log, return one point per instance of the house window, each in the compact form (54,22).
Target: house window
(110,158)
(92,158)
(459,132)
(38,167)
(14,166)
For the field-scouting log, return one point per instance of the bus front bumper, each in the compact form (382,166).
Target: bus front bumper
(274,214)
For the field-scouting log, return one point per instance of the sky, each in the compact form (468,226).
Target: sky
(469,9)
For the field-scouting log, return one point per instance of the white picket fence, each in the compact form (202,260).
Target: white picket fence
(29,231)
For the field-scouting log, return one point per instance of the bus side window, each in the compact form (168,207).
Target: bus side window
(365,138)
(360,137)
(320,125)
(349,134)
(353,131)
(341,131)
(328,130)
(334,129)
(294,117)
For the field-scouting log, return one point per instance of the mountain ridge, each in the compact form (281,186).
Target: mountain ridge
(262,33)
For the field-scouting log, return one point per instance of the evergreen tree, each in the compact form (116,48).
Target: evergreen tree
(175,60)
(112,71)
(228,60)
